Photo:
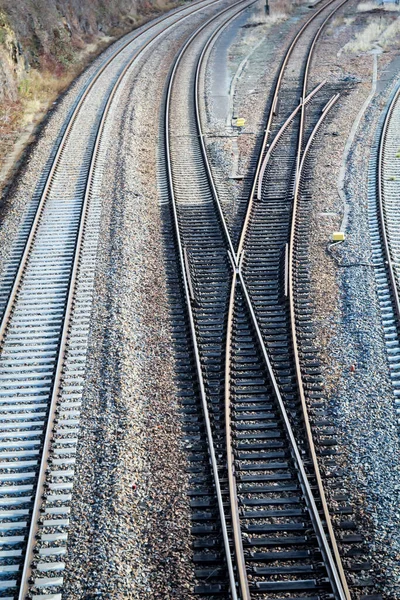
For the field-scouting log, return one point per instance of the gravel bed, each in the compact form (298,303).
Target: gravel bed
(347,315)
(251,58)
(130,523)
(347,312)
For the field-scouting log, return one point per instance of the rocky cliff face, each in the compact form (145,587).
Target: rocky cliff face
(47,35)
(44,44)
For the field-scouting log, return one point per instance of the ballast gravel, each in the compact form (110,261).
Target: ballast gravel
(347,315)
(238,84)
(130,524)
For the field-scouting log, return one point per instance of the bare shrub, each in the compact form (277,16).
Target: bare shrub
(377,33)
(279,10)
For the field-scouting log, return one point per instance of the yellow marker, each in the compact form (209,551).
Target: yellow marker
(240,122)
(338,236)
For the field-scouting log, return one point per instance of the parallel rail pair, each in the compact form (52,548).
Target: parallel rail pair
(384,188)
(46,294)
(240,374)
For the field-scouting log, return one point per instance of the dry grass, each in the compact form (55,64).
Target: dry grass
(36,93)
(41,87)
(339,23)
(260,18)
(38,90)
(10,124)
(376,34)
(391,33)
(279,11)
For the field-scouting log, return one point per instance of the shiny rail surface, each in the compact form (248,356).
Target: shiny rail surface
(190,194)
(280,579)
(203,239)
(240,554)
(270,266)
(258,262)
(384,226)
(44,337)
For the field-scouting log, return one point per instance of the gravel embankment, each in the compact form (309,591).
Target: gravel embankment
(130,524)
(16,198)
(347,314)
(351,341)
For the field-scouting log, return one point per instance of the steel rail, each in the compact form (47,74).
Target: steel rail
(236,527)
(299,378)
(201,133)
(51,422)
(329,561)
(298,170)
(338,572)
(381,202)
(335,573)
(281,132)
(60,150)
(334,566)
(323,542)
(305,81)
(181,253)
(300,160)
(269,121)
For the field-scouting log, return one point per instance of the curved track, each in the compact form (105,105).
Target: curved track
(47,295)
(260,519)
(273,266)
(384,226)
(262,240)
(247,375)
(191,190)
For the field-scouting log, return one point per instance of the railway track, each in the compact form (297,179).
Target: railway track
(384,227)
(46,298)
(190,187)
(261,520)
